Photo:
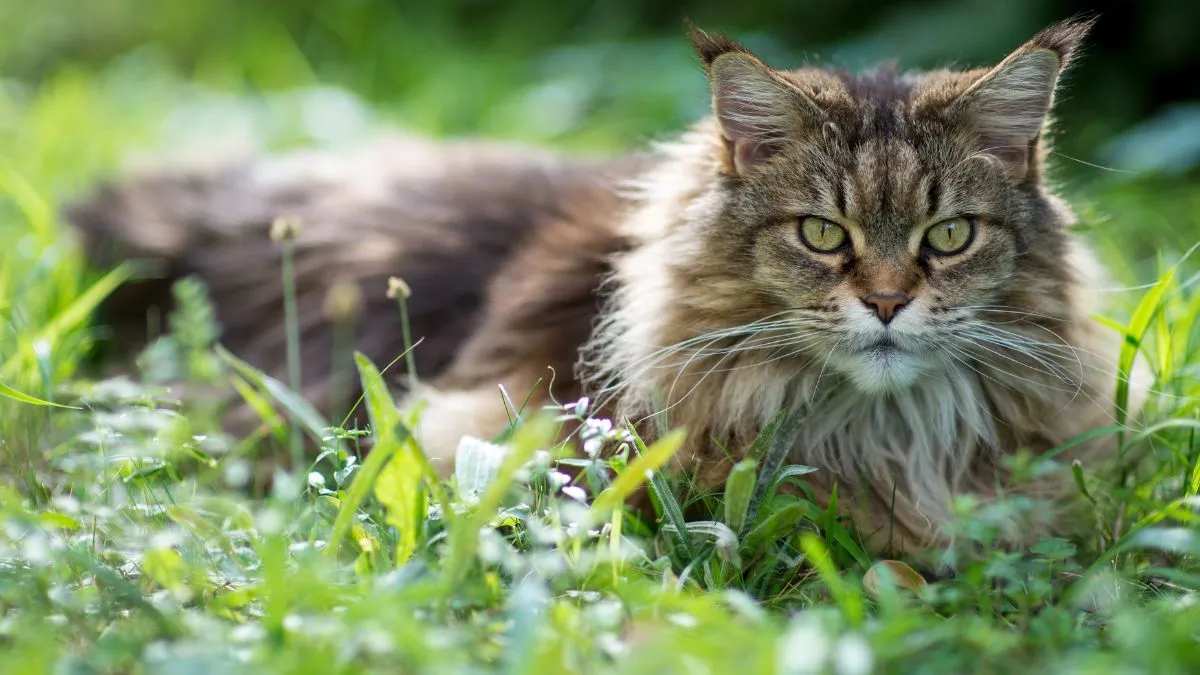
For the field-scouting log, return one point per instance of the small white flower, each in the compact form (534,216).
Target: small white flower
(285,486)
(557,479)
(592,446)
(575,492)
(606,613)
(803,649)
(375,641)
(269,521)
(158,650)
(36,549)
(248,632)
(164,539)
(237,473)
(852,656)
(596,426)
(315,480)
(683,620)
(66,504)
(579,407)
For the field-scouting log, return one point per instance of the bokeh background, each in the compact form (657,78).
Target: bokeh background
(88,86)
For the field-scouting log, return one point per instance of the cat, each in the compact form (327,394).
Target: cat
(879,252)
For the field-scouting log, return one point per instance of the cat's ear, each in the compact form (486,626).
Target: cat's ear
(1009,106)
(757,109)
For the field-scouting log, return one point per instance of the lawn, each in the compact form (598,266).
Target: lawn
(137,537)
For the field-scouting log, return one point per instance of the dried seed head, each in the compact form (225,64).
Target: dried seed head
(397,288)
(343,301)
(285,228)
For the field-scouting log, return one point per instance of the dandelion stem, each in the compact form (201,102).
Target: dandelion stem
(291,320)
(410,361)
(400,292)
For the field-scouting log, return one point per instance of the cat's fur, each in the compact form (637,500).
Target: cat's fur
(679,285)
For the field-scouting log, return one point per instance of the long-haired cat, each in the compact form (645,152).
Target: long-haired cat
(879,250)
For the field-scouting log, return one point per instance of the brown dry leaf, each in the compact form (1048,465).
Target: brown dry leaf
(902,576)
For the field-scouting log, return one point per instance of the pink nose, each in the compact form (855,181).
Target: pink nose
(886,305)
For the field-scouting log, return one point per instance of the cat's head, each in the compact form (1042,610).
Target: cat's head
(891,217)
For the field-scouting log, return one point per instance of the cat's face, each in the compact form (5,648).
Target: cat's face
(891,219)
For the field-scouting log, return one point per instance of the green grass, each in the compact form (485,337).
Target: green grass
(137,537)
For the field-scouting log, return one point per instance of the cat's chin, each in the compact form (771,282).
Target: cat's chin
(881,371)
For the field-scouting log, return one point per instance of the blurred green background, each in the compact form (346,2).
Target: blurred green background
(86,86)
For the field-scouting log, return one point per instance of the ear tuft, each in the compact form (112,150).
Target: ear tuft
(1064,38)
(711,45)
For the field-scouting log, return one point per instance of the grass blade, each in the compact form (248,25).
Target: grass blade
(70,318)
(639,470)
(8,392)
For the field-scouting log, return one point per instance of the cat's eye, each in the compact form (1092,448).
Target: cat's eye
(821,235)
(950,236)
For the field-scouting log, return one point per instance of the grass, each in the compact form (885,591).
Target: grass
(137,537)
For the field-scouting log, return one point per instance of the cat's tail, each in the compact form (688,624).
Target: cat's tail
(446,218)
(214,223)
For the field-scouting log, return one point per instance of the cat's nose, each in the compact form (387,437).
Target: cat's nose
(886,305)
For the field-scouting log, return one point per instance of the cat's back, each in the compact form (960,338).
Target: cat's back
(448,218)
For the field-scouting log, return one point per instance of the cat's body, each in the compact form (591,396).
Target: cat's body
(878,250)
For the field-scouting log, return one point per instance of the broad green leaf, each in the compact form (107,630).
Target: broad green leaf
(399,487)
(739,489)
(476,465)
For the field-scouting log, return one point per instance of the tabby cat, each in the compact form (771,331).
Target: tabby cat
(880,251)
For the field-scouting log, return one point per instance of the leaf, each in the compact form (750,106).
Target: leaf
(399,489)
(1077,474)
(1167,539)
(73,316)
(1054,548)
(399,486)
(777,524)
(8,392)
(781,438)
(260,406)
(639,470)
(719,534)
(847,597)
(56,519)
(662,493)
(888,574)
(476,465)
(165,566)
(295,405)
(527,613)
(739,489)
(531,436)
(1139,323)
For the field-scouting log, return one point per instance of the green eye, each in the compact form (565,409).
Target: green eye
(950,236)
(822,236)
